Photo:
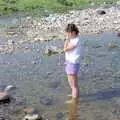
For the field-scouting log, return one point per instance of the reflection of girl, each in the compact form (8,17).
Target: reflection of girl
(72,57)
(73,111)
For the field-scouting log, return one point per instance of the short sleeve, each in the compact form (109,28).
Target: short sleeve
(75,41)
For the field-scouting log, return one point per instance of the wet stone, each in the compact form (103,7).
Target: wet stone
(30,110)
(59,116)
(112,45)
(118,34)
(33,117)
(54,84)
(49,50)
(4,97)
(101,12)
(96,46)
(49,73)
(33,62)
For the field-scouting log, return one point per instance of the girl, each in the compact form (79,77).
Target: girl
(72,57)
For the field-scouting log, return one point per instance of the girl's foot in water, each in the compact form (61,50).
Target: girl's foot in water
(73,100)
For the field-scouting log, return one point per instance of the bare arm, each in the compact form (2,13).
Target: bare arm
(65,44)
(68,46)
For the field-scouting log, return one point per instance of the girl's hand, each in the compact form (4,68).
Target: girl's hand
(68,46)
(65,45)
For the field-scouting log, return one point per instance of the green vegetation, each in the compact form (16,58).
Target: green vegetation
(8,6)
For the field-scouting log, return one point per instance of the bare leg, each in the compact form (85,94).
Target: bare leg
(72,79)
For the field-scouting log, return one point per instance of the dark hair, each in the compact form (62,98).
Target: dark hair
(72,28)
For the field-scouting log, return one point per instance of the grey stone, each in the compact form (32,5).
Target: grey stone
(101,12)
(55,84)
(118,34)
(46,101)
(59,116)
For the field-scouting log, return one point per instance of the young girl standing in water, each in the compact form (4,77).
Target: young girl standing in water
(72,49)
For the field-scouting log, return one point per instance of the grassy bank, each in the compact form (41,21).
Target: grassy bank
(9,6)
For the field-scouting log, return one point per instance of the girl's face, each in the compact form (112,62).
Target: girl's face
(71,35)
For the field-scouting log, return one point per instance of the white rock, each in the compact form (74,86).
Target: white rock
(9,87)
(32,117)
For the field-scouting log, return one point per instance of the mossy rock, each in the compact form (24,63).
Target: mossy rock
(112,45)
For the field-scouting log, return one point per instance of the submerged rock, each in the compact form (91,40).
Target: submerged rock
(49,50)
(46,101)
(49,73)
(112,45)
(55,84)
(59,116)
(33,62)
(96,46)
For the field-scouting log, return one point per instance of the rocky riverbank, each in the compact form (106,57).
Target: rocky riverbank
(32,29)
(95,21)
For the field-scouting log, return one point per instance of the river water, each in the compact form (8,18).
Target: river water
(41,82)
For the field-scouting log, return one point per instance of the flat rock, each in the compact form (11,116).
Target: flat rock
(49,50)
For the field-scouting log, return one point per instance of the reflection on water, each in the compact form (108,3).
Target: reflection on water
(73,108)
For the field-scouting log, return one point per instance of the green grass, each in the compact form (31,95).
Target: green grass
(8,6)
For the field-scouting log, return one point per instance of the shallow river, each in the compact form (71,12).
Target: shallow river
(41,82)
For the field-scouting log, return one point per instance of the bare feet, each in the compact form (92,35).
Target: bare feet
(73,100)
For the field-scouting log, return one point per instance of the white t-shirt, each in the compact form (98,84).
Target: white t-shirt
(73,55)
